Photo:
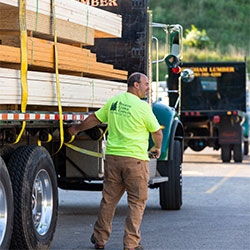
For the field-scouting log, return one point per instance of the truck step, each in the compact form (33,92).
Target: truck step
(155,180)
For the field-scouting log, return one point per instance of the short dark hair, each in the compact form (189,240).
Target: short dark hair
(135,77)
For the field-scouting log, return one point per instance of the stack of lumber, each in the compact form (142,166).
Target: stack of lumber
(70,58)
(76,22)
(74,91)
(84,82)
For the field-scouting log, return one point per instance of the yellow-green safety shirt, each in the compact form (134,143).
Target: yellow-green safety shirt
(129,122)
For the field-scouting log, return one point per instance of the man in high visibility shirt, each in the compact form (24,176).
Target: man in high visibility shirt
(130,120)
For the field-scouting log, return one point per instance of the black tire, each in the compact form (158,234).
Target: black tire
(35,198)
(6,207)
(5,153)
(246,148)
(171,191)
(238,154)
(226,153)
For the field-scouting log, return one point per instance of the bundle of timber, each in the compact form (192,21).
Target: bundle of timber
(71,60)
(77,25)
(75,91)
(76,22)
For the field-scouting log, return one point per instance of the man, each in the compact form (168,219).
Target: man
(126,165)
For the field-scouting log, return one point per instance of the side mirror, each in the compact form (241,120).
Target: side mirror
(175,37)
(172,61)
(187,75)
(174,41)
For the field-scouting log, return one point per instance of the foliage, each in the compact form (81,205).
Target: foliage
(225,21)
(196,39)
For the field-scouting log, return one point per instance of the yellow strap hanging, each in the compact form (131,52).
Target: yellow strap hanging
(72,139)
(39,142)
(103,134)
(86,37)
(32,50)
(57,79)
(84,151)
(24,61)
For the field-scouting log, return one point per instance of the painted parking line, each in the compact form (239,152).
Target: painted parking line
(229,175)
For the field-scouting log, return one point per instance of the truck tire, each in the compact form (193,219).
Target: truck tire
(5,153)
(226,153)
(35,191)
(6,207)
(171,191)
(246,147)
(238,154)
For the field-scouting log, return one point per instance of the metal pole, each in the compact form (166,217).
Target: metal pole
(157,68)
(179,93)
(150,56)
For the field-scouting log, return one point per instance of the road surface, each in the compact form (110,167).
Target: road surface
(215,214)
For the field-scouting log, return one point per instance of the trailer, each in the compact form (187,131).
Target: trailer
(44,91)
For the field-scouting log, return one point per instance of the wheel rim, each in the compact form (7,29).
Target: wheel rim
(42,202)
(3,212)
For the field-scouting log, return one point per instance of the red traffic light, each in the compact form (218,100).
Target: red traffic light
(176,70)
(216,119)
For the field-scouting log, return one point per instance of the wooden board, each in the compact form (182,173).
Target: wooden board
(66,31)
(74,91)
(70,58)
(16,107)
(106,23)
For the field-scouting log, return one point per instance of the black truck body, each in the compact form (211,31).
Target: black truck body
(213,107)
(130,52)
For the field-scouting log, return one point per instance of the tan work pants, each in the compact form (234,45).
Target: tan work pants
(123,174)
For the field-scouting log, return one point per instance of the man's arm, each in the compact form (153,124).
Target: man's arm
(157,139)
(90,122)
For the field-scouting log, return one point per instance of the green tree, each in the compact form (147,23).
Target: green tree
(226,21)
(196,38)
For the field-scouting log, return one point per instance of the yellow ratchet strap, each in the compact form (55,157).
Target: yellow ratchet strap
(39,142)
(72,139)
(85,151)
(24,61)
(86,37)
(57,79)
(32,50)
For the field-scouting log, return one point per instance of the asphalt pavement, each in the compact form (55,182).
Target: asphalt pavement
(215,214)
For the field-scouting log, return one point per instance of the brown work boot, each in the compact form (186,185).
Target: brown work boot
(139,247)
(93,240)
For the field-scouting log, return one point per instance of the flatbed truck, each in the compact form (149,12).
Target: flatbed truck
(32,170)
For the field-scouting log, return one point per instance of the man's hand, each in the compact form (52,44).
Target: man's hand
(155,153)
(90,122)
(72,130)
(157,139)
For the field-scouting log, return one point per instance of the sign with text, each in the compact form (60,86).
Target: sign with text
(100,3)
(211,71)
